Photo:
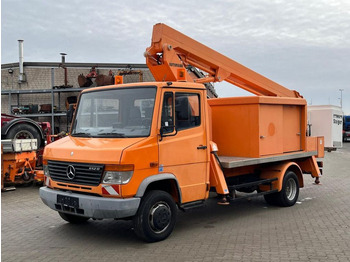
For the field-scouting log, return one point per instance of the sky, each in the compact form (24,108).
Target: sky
(302,45)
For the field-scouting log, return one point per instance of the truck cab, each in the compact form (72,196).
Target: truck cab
(126,141)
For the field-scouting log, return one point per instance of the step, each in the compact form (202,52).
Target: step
(192,205)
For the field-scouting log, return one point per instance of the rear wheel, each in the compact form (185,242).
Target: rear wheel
(73,219)
(156,217)
(24,131)
(289,194)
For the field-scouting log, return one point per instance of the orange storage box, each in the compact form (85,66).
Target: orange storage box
(258,126)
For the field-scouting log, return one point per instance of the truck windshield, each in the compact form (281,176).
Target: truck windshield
(115,113)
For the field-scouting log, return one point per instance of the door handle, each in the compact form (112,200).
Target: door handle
(201,147)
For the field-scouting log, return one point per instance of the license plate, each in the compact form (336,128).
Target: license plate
(68,201)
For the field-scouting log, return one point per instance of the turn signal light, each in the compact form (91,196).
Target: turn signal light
(119,168)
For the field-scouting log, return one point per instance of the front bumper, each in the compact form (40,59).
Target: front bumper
(91,206)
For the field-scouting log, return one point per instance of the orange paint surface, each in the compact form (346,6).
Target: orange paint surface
(257,126)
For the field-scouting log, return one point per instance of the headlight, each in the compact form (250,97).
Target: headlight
(117,177)
(46,170)
(118,174)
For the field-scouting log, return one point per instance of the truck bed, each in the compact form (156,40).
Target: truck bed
(233,162)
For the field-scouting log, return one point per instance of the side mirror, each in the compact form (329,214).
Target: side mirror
(70,113)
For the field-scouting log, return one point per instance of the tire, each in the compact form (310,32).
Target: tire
(24,131)
(289,194)
(156,216)
(271,199)
(73,219)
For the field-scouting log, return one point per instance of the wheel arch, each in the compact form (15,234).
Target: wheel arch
(14,122)
(280,170)
(166,182)
(297,170)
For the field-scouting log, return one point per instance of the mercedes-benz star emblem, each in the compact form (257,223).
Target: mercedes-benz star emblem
(70,172)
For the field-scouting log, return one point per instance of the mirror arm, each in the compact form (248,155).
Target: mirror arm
(165,135)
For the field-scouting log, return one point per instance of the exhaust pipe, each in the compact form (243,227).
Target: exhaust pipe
(63,65)
(21,76)
(63,59)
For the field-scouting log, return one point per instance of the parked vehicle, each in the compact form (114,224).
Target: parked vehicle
(22,164)
(16,127)
(346,121)
(142,151)
(326,121)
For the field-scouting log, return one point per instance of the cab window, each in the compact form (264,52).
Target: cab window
(167,121)
(183,112)
(187,110)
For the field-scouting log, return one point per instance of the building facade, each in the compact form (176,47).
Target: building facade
(33,89)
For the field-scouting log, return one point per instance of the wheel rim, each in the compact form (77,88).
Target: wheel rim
(26,176)
(291,189)
(24,135)
(160,217)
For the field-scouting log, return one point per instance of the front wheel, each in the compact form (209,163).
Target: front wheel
(73,219)
(156,217)
(289,194)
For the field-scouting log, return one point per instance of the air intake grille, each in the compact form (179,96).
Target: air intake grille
(81,173)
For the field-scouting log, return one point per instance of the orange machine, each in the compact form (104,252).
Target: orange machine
(141,150)
(19,167)
(18,161)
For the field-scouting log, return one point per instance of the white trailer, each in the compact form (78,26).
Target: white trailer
(327,121)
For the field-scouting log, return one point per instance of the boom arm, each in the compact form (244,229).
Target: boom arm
(171,52)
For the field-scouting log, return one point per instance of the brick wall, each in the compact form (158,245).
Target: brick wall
(40,78)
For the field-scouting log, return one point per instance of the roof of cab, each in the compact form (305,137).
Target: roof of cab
(159,84)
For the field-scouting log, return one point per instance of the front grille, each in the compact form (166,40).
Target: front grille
(85,174)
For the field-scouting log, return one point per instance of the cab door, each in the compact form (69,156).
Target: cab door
(183,149)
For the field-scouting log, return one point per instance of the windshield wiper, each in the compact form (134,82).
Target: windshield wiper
(82,134)
(111,134)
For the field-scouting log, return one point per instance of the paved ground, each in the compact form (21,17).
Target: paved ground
(315,229)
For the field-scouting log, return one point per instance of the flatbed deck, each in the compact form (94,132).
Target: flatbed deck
(233,162)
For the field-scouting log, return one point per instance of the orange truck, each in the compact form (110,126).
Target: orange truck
(142,151)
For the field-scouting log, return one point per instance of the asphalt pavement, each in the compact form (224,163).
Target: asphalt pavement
(317,228)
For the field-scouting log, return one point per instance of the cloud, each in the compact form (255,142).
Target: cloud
(313,23)
(300,44)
